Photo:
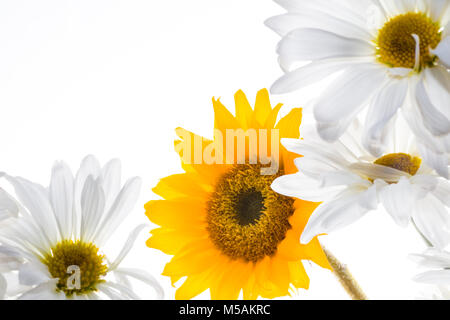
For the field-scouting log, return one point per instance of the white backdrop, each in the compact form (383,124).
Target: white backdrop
(115,78)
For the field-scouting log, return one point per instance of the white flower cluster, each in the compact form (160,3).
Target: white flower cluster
(390,61)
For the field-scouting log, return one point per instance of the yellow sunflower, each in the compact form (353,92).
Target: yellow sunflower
(226,228)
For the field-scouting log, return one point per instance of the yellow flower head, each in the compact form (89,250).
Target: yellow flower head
(226,228)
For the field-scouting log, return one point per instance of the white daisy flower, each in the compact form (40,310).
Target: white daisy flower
(55,244)
(386,55)
(439,275)
(351,182)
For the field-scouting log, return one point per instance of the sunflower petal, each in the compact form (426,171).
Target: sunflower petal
(244,111)
(223,119)
(290,124)
(262,107)
(176,213)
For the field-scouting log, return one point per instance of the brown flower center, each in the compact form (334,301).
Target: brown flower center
(397,48)
(67,257)
(400,161)
(246,219)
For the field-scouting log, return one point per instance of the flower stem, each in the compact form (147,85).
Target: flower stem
(345,277)
(427,242)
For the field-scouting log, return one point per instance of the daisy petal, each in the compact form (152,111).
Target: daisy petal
(9,259)
(121,207)
(89,167)
(3,286)
(333,215)
(61,196)
(316,44)
(383,108)
(299,186)
(437,82)
(34,197)
(111,180)
(423,184)
(144,277)
(437,123)
(331,7)
(443,51)
(317,169)
(330,131)
(433,220)
(442,192)
(305,76)
(8,207)
(283,24)
(368,199)
(315,150)
(438,277)
(124,291)
(375,171)
(111,293)
(432,258)
(92,206)
(44,291)
(347,94)
(437,8)
(33,274)
(393,198)
(127,246)
(437,161)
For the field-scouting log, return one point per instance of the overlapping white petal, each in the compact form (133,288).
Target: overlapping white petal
(285,23)
(435,121)
(306,75)
(3,286)
(335,214)
(437,263)
(383,108)
(316,44)
(8,207)
(443,51)
(393,196)
(61,196)
(433,220)
(347,94)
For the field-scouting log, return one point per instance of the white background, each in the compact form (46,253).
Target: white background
(115,78)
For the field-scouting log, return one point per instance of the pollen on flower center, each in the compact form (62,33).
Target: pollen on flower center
(246,218)
(400,161)
(397,48)
(85,257)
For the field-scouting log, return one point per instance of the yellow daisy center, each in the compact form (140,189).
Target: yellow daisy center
(246,219)
(400,161)
(397,48)
(67,257)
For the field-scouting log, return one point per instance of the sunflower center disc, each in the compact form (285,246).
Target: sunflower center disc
(69,257)
(249,207)
(400,161)
(246,219)
(397,47)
